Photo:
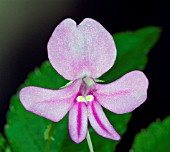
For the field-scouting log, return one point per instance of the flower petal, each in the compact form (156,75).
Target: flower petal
(51,104)
(78,122)
(87,49)
(100,123)
(125,94)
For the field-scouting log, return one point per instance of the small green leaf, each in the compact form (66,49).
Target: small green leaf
(132,50)
(25,131)
(156,138)
(48,134)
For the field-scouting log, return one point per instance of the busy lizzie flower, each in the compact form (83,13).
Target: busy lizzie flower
(82,53)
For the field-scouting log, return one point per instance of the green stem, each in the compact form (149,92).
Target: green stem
(89,142)
(49,137)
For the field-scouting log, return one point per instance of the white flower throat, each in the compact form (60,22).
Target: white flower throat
(85,89)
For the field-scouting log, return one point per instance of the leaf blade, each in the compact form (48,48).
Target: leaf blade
(156,137)
(132,50)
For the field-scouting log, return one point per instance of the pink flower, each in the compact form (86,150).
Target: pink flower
(81,53)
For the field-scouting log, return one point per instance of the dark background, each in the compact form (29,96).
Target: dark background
(26,25)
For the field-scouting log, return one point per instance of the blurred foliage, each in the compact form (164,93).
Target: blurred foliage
(25,131)
(3,144)
(156,138)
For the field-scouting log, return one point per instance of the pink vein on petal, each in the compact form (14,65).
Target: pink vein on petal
(121,92)
(125,94)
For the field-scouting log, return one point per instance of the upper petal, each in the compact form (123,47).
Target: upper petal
(87,49)
(78,122)
(100,123)
(51,104)
(125,94)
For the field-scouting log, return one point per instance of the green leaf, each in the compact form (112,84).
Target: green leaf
(30,133)
(156,138)
(3,144)
(24,130)
(132,50)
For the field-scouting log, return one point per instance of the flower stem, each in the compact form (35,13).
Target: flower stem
(89,142)
(48,136)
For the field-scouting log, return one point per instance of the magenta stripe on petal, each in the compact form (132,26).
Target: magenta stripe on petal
(98,119)
(78,122)
(79,119)
(100,123)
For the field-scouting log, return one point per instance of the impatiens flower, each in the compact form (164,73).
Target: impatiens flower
(82,53)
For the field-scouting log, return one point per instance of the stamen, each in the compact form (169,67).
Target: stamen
(90,98)
(80,99)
